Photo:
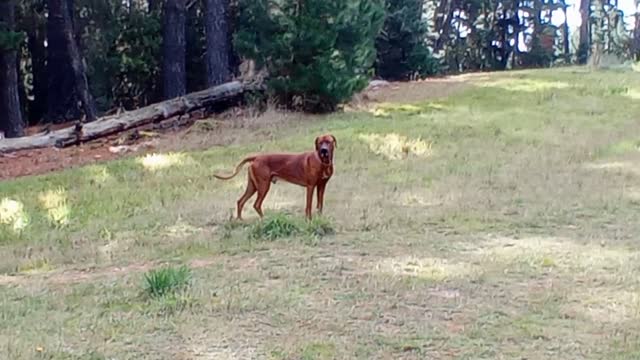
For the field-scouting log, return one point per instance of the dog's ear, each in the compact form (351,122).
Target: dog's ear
(318,143)
(335,142)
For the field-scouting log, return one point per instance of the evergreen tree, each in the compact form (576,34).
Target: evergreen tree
(317,53)
(401,46)
(10,114)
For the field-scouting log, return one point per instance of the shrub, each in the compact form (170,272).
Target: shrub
(319,227)
(282,226)
(401,46)
(165,281)
(317,53)
(275,227)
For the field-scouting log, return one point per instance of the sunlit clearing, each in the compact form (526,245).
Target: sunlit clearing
(181,229)
(625,166)
(153,162)
(55,202)
(35,266)
(386,109)
(633,194)
(605,304)
(633,94)
(12,214)
(525,85)
(428,268)
(396,147)
(415,200)
(99,174)
(541,252)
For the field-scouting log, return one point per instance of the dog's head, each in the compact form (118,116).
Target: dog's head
(325,145)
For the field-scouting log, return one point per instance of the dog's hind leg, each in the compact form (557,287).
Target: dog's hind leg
(263,189)
(248,193)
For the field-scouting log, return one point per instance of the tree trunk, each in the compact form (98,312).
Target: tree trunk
(62,99)
(77,64)
(174,49)
(36,37)
(113,124)
(597,46)
(217,54)
(636,32)
(10,114)
(585,31)
(154,5)
(565,34)
(66,67)
(444,15)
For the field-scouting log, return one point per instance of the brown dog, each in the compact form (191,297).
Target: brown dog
(309,169)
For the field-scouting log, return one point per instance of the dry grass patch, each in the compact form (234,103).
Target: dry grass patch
(56,206)
(605,304)
(560,253)
(525,85)
(396,147)
(616,166)
(13,215)
(154,162)
(433,269)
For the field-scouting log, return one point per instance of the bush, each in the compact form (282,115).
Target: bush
(275,227)
(282,226)
(317,53)
(166,281)
(401,46)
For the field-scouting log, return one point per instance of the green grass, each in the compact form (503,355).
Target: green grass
(280,225)
(166,281)
(500,222)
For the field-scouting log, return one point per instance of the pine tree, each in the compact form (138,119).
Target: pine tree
(317,53)
(11,124)
(174,46)
(401,46)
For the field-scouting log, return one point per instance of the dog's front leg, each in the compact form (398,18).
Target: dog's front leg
(321,186)
(307,211)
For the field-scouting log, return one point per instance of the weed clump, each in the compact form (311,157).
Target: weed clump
(282,226)
(167,281)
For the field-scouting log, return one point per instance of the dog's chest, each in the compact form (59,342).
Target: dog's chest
(326,173)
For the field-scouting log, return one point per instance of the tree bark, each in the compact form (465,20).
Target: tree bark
(36,37)
(62,99)
(444,15)
(174,49)
(10,113)
(636,32)
(154,5)
(597,45)
(585,31)
(114,124)
(68,90)
(77,64)
(217,29)
(565,33)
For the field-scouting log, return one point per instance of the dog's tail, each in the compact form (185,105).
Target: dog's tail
(237,170)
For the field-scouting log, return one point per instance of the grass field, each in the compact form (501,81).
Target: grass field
(500,222)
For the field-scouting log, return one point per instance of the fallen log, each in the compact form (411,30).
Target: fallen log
(113,124)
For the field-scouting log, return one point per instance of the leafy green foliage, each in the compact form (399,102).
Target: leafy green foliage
(275,227)
(317,53)
(10,40)
(402,46)
(282,226)
(123,53)
(166,281)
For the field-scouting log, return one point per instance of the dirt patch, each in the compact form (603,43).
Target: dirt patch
(65,277)
(417,91)
(228,128)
